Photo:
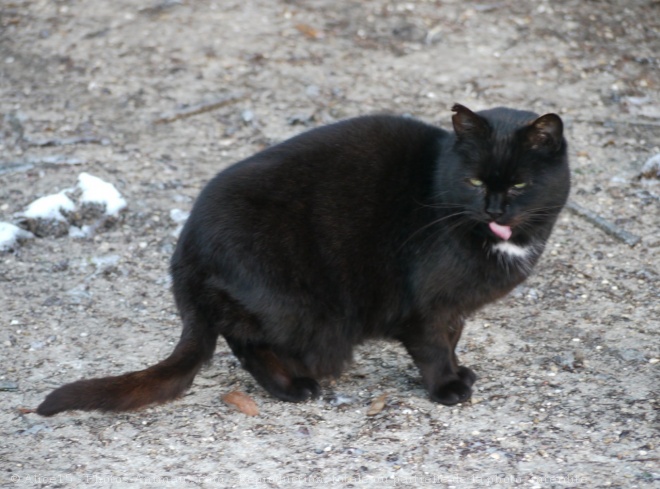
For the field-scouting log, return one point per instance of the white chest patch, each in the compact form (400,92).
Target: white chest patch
(511,250)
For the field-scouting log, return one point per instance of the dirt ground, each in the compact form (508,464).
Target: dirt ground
(156,98)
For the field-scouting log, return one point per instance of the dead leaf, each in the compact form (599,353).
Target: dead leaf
(475,400)
(377,405)
(242,402)
(309,31)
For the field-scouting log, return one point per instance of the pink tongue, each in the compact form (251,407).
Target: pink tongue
(503,232)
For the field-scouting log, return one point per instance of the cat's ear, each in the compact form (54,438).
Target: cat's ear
(546,132)
(467,123)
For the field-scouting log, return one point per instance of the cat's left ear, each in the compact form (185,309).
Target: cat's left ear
(467,123)
(546,132)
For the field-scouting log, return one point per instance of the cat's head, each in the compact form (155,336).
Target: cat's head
(509,173)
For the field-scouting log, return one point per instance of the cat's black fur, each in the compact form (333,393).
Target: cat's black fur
(374,227)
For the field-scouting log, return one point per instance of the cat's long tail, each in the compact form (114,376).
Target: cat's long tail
(162,382)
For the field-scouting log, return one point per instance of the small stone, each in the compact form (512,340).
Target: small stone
(630,355)
(565,361)
(247,115)
(651,169)
(179,216)
(7,385)
(312,91)
(341,400)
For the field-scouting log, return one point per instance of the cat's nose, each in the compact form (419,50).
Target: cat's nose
(495,205)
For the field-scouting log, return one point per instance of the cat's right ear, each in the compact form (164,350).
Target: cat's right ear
(546,132)
(467,123)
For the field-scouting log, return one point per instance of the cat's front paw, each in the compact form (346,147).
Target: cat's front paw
(454,391)
(467,375)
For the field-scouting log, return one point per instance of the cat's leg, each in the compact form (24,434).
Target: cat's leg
(284,377)
(466,374)
(433,350)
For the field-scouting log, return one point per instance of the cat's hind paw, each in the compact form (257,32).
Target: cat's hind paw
(300,389)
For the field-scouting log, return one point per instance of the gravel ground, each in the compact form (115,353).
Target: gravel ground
(155,98)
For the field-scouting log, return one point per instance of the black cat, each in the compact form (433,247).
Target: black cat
(374,227)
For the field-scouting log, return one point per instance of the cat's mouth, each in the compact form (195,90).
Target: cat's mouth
(501,231)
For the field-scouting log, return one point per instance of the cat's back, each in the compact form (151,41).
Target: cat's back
(362,144)
(359,158)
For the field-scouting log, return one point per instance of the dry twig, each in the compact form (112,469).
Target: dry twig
(603,224)
(631,122)
(197,109)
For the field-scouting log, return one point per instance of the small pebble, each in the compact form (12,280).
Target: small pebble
(340,400)
(6,385)
(247,115)
(312,91)
(179,216)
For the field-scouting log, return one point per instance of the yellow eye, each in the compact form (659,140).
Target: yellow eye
(520,185)
(475,182)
